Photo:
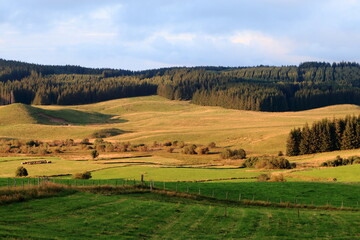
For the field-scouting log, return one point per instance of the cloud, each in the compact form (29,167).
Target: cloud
(144,34)
(262,42)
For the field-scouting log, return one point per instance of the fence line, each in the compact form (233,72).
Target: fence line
(222,194)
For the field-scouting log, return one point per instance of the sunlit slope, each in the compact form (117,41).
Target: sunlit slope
(25,114)
(148,119)
(16,114)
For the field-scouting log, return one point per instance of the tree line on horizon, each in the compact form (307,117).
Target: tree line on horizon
(262,88)
(324,136)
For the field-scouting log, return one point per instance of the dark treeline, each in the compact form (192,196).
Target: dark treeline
(262,88)
(71,89)
(15,70)
(324,136)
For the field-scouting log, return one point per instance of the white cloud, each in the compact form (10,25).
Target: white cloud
(156,32)
(175,37)
(106,13)
(263,42)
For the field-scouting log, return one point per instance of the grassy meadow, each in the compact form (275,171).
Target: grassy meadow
(286,210)
(153,118)
(154,216)
(350,173)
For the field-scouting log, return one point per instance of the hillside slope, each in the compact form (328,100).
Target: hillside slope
(153,118)
(19,113)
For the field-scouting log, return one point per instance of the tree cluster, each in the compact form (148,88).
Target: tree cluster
(339,161)
(325,135)
(233,154)
(268,162)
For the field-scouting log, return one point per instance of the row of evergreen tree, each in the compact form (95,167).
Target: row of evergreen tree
(325,135)
(71,89)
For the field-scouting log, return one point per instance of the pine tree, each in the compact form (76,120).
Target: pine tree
(349,140)
(325,136)
(339,130)
(305,142)
(293,143)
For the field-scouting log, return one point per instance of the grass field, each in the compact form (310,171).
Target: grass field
(151,216)
(304,193)
(308,193)
(349,173)
(172,174)
(153,118)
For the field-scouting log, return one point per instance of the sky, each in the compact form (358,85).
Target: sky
(145,34)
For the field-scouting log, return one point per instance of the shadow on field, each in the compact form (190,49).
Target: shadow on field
(73,117)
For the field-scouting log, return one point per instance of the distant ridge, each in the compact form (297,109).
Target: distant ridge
(262,88)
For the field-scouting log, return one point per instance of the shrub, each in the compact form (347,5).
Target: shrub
(202,150)
(268,163)
(84,175)
(109,147)
(108,132)
(32,143)
(273,163)
(278,178)
(250,162)
(57,150)
(181,144)
(190,149)
(85,141)
(338,161)
(212,145)
(69,142)
(263,177)
(233,154)
(21,172)
(94,154)
(170,150)
(42,151)
(280,154)
(100,147)
(167,144)
(226,154)
(143,148)
(239,154)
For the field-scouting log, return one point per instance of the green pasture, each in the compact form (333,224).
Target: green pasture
(150,216)
(307,193)
(172,174)
(350,173)
(303,193)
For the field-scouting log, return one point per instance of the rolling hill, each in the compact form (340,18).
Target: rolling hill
(19,113)
(154,118)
